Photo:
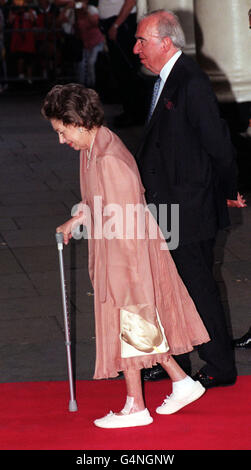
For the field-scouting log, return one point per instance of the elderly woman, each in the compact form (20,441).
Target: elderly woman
(143,312)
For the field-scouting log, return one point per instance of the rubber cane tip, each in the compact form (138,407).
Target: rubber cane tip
(73,405)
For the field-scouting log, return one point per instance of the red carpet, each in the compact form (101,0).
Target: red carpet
(35,416)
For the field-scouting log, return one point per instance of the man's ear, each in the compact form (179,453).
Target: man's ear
(167,43)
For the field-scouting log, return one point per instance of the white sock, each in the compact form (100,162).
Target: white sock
(128,405)
(183,384)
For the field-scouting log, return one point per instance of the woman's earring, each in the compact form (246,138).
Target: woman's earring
(81,130)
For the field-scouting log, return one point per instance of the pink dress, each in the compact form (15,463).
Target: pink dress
(130,273)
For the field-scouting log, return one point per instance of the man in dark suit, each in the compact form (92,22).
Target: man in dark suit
(186,158)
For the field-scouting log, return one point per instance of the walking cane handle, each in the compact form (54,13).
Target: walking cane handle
(59,237)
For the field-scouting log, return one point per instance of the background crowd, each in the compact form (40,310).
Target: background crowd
(60,41)
(44,39)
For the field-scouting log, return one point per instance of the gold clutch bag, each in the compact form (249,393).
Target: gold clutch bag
(139,336)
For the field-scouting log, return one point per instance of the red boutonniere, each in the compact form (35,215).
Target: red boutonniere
(168,104)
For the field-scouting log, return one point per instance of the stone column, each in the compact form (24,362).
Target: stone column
(141,8)
(223,43)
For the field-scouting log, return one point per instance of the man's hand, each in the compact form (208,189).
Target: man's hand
(239,202)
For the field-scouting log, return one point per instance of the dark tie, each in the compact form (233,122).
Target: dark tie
(154,97)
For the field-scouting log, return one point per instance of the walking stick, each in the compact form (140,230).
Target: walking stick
(72,402)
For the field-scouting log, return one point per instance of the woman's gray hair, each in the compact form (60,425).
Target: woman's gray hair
(168,24)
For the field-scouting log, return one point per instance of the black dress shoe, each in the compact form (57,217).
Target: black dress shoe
(244,341)
(154,373)
(209,382)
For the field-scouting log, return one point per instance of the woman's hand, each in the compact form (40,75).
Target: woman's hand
(67,228)
(240,202)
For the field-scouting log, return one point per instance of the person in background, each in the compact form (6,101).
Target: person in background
(87,29)
(22,18)
(118,22)
(71,45)
(186,158)
(47,47)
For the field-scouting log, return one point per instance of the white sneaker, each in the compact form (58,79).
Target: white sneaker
(141,418)
(176,401)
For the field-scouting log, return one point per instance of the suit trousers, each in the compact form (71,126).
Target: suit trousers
(194,263)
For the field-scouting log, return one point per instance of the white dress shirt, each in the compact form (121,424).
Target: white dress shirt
(165,71)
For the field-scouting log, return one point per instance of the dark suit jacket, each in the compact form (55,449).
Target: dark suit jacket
(186,156)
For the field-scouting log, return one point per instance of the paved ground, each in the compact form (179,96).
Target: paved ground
(38,186)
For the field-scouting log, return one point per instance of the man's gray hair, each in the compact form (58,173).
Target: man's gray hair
(168,24)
